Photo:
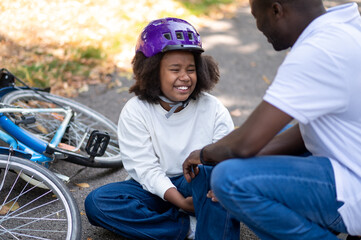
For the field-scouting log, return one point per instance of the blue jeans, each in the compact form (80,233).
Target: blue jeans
(127,209)
(281,197)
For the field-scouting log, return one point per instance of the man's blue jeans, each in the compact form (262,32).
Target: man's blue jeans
(129,210)
(281,197)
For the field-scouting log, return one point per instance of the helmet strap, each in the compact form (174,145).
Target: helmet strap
(174,105)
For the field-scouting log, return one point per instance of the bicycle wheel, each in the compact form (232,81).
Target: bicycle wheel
(83,123)
(30,212)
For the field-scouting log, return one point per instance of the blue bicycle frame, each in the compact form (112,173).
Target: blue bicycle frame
(22,140)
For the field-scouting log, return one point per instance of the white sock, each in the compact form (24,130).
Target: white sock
(192,227)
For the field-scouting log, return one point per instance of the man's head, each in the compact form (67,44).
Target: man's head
(282,21)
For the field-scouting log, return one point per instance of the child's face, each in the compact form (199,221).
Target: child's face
(178,76)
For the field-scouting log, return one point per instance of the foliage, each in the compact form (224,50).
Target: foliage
(67,44)
(199,7)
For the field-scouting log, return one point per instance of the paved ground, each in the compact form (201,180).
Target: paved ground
(247,63)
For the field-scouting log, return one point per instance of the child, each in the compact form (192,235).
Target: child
(170,117)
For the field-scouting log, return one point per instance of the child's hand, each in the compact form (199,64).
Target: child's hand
(188,205)
(211,195)
(190,165)
(173,196)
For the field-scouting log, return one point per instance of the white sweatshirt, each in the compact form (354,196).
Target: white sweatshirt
(153,148)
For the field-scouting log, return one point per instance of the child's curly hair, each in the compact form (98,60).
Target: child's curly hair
(147,80)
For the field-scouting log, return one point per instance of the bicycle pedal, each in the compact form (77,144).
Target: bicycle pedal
(6,79)
(26,120)
(97,143)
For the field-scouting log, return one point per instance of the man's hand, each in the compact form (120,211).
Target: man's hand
(211,195)
(190,165)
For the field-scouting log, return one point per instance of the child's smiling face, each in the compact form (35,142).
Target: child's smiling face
(178,75)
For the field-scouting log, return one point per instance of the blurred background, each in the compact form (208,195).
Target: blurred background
(71,44)
(74,45)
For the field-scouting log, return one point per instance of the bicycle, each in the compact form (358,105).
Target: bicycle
(45,128)
(57,126)
(45,210)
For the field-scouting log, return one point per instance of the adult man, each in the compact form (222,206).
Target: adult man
(289,196)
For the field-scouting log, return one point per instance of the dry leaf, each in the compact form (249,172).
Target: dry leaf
(236,113)
(84,88)
(58,116)
(82,213)
(83,185)
(66,146)
(122,89)
(10,206)
(266,80)
(41,128)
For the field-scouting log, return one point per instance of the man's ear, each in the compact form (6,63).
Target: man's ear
(277,9)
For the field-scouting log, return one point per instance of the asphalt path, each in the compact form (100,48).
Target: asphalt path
(247,64)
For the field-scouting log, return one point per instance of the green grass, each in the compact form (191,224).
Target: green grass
(90,53)
(199,7)
(39,74)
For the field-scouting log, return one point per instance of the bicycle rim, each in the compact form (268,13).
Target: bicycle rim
(30,212)
(84,122)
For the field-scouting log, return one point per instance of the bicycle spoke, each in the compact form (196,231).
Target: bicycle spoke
(32,212)
(7,231)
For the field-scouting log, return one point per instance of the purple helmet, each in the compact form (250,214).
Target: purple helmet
(168,34)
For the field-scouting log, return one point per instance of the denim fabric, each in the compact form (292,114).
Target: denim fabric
(281,197)
(213,221)
(127,209)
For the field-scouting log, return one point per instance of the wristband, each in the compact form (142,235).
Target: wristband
(203,161)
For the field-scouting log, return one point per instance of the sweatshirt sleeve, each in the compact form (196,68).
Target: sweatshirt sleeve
(138,155)
(223,124)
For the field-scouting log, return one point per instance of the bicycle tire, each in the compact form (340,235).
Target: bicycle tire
(30,212)
(85,117)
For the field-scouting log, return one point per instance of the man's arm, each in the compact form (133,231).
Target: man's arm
(289,142)
(255,136)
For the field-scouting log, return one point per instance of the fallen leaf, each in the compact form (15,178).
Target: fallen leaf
(266,80)
(83,185)
(58,116)
(41,128)
(122,89)
(82,213)
(66,146)
(236,113)
(84,88)
(10,206)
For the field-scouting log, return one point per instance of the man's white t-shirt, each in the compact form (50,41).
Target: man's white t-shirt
(319,84)
(154,147)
